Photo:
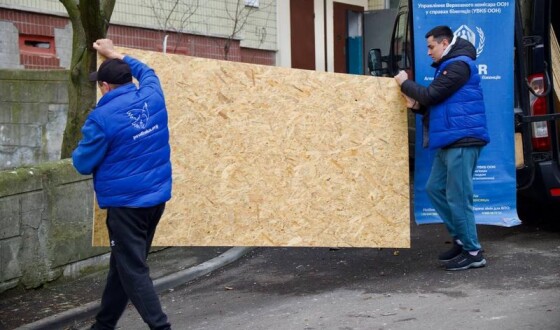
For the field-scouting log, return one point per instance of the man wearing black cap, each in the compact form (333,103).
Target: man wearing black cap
(125,145)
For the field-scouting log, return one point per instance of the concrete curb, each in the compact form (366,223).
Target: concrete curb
(167,282)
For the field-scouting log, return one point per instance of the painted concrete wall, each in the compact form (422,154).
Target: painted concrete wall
(284,53)
(9,50)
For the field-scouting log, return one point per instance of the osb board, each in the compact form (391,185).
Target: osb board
(269,156)
(555,57)
(519,161)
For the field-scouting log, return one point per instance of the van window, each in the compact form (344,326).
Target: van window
(401,44)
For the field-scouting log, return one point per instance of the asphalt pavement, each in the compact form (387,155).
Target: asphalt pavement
(285,288)
(324,288)
(67,303)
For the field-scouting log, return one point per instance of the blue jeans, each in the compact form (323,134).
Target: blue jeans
(450,188)
(131,231)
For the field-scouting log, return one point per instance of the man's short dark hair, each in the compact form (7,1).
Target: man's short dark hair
(440,32)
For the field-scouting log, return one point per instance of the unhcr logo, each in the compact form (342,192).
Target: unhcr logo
(466,33)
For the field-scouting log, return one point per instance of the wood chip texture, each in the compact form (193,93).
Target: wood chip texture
(555,57)
(270,156)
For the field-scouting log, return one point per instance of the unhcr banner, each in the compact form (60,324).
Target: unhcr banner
(489,26)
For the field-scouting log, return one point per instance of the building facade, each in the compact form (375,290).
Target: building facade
(307,34)
(37,34)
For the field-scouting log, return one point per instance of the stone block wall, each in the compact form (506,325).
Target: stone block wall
(46,216)
(33,110)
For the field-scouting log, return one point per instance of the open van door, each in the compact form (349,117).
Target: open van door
(401,50)
(537,117)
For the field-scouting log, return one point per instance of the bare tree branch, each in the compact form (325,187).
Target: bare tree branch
(184,9)
(239,17)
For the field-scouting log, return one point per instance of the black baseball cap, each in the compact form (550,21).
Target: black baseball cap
(112,71)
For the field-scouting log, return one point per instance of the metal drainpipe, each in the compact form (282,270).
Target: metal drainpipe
(165,44)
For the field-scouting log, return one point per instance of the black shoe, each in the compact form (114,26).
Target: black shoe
(465,261)
(455,250)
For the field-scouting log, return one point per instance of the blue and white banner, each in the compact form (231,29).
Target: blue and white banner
(489,26)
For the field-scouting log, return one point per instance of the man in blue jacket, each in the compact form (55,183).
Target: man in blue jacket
(125,145)
(454,121)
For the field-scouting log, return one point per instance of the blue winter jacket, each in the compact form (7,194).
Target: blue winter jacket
(125,144)
(456,98)
(462,115)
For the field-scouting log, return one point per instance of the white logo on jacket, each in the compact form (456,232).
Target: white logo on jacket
(139,117)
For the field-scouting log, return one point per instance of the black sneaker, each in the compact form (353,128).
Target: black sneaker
(455,250)
(465,261)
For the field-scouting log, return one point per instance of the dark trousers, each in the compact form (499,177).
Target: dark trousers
(131,231)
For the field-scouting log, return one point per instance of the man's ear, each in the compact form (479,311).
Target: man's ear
(105,87)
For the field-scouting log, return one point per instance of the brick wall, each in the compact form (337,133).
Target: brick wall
(29,23)
(36,25)
(33,25)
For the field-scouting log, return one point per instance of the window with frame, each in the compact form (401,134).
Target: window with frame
(36,45)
